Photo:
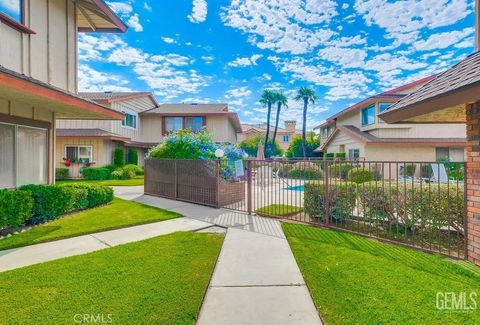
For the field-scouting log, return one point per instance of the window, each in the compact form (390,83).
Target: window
(175,123)
(24,158)
(326,131)
(368,115)
(353,154)
(453,154)
(383,106)
(194,123)
(80,154)
(12,9)
(129,120)
(286,138)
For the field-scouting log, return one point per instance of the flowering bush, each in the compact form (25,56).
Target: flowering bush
(184,144)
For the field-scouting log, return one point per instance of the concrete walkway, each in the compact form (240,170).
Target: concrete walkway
(256,279)
(29,255)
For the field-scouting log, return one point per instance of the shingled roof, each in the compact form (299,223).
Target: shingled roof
(460,79)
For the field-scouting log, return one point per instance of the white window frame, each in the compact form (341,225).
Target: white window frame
(124,121)
(78,146)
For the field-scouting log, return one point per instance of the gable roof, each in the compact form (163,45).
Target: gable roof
(461,79)
(97,16)
(365,137)
(391,96)
(112,97)
(196,110)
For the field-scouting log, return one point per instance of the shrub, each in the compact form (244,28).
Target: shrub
(339,170)
(15,208)
(306,170)
(61,173)
(250,146)
(118,157)
(341,200)
(132,157)
(360,175)
(96,173)
(340,155)
(329,156)
(296,150)
(49,202)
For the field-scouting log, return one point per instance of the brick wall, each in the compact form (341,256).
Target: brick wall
(473,182)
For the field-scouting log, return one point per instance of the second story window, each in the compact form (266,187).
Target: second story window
(129,120)
(12,9)
(368,115)
(194,123)
(286,138)
(383,106)
(175,123)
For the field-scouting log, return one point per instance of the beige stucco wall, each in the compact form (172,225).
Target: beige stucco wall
(48,55)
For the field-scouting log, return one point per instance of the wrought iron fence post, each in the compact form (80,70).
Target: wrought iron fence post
(176,180)
(218,184)
(326,194)
(249,186)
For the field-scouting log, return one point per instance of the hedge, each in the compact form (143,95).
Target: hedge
(341,200)
(360,175)
(96,173)
(15,208)
(33,204)
(426,208)
(61,173)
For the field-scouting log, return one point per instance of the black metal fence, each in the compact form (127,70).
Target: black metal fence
(419,204)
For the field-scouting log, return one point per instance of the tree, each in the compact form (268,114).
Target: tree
(281,100)
(250,146)
(307,95)
(296,147)
(267,99)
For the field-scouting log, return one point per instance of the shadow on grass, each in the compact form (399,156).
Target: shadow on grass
(462,271)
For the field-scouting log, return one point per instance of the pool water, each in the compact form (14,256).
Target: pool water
(300,188)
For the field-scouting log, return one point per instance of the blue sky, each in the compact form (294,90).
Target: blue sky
(229,51)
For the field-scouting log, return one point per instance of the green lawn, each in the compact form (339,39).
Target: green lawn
(279,210)
(137,181)
(119,214)
(156,281)
(356,280)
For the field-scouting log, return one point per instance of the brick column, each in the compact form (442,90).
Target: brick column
(473,183)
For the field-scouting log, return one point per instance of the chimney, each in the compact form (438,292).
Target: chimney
(291,125)
(477,25)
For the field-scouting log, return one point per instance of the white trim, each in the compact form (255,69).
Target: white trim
(78,146)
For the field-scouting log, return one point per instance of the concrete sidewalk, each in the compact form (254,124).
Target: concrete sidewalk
(29,255)
(257,281)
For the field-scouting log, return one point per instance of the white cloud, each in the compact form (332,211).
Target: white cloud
(134,22)
(168,40)
(245,62)
(403,19)
(199,11)
(293,26)
(92,80)
(121,8)
(443,40)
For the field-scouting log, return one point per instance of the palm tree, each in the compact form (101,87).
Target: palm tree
(307,95)
(281,100)
(267,99)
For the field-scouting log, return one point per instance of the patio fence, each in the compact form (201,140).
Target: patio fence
(418,204)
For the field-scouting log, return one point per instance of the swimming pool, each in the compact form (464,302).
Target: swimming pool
(299,188)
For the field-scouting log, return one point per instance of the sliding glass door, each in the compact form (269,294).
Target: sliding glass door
(23,155)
